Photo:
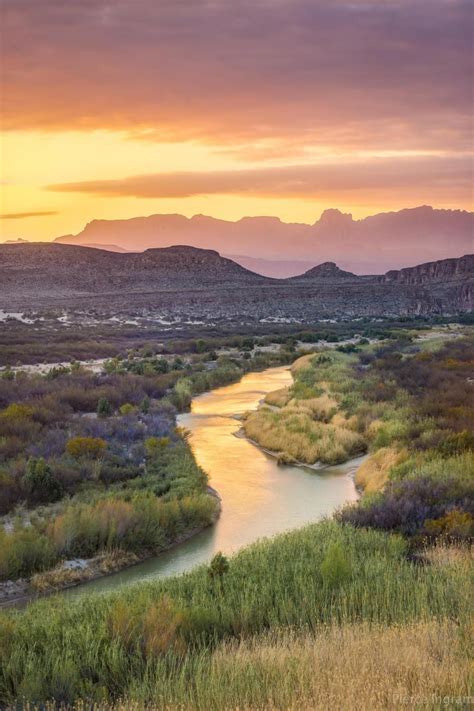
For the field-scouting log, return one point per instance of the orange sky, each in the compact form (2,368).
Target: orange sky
(112,109)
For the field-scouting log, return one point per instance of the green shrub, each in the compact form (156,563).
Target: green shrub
(104,408)
(24,552)
(40,484)
(335,568)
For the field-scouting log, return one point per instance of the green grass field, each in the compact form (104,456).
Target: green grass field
(159,642)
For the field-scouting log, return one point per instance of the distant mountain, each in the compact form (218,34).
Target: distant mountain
(327,270)
(369,246)
(182,281)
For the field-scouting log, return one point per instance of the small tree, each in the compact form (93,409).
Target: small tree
(335,568)
(40,483)
(218,567)
(104,408)
(145,405)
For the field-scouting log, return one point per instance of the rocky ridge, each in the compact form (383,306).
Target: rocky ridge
(183,281)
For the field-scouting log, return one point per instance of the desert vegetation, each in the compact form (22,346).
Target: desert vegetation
(407,402)
(200,642)
(91,463)
(363,611)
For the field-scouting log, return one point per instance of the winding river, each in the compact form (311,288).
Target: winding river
(259,498)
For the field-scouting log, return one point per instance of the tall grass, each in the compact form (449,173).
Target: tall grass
(95,648)
(296,435)
(373,474)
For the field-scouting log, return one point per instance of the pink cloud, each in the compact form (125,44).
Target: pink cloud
(447,177)
(344,74)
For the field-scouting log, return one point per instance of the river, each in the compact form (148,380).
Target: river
(259,497)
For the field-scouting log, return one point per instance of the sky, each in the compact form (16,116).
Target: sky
(118,108)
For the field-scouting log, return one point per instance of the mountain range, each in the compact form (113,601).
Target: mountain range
(182,281)
(274,248)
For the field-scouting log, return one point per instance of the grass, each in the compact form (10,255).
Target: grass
(310,426)
(330,616)
(373,474)
(297,436)
(352,667)
(95,648)
(277,398)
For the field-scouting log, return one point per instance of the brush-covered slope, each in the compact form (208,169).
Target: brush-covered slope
(188,281)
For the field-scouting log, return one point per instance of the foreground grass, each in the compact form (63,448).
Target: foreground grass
(351,667)
(189,640)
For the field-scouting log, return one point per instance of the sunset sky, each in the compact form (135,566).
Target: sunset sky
(113,109)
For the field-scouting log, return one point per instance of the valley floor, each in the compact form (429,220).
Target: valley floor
(370,610)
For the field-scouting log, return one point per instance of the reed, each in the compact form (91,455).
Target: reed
(71,650)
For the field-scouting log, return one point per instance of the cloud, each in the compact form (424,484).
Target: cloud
(392,74)
(22,215)
(446,176)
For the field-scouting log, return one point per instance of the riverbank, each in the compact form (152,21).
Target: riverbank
(80,571)
(260,499)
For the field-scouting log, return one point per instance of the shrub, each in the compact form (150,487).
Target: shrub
(104,408)
(40,484)
(335,568)
(218,567)
(455,524)
(23,552)
(405,505)
(86,447)
(373,474)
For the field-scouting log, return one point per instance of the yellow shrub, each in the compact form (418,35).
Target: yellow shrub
(373,473)
(87,447)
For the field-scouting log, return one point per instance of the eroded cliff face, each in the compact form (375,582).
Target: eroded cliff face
(444,270)
(190,282)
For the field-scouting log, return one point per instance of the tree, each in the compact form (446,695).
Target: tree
(104,408)
(218,567)
(40,483)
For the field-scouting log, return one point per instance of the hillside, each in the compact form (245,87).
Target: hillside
(368,246)
(186,281)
